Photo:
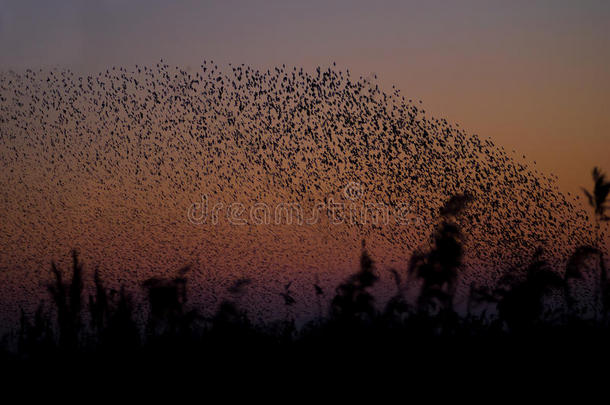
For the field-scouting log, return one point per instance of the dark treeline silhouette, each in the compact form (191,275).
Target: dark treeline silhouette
(532,303)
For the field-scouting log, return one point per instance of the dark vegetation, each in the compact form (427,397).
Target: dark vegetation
(531,308)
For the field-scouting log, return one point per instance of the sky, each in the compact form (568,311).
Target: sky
(532,75)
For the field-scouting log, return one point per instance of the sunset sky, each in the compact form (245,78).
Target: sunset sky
(192,171)
(532,75)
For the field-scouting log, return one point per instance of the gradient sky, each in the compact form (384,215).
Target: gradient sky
(533,75)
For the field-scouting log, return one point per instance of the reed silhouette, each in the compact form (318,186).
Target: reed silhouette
(67,298)
(598,199)
(530,301)
(439,268)
(521,304)
(353,302)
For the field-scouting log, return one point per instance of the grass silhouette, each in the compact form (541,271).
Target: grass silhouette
(513,309)
(598,199)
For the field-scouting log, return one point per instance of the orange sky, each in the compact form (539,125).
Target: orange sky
(533,75)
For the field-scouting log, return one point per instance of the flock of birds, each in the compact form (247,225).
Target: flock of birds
(110,163)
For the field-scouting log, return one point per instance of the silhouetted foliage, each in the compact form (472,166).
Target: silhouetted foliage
(167,299)
(521,301)
(525,301)
(353,302)
(35,338)
(438,269)
(597,199)
(68,304)
(397,307)
(575,271)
